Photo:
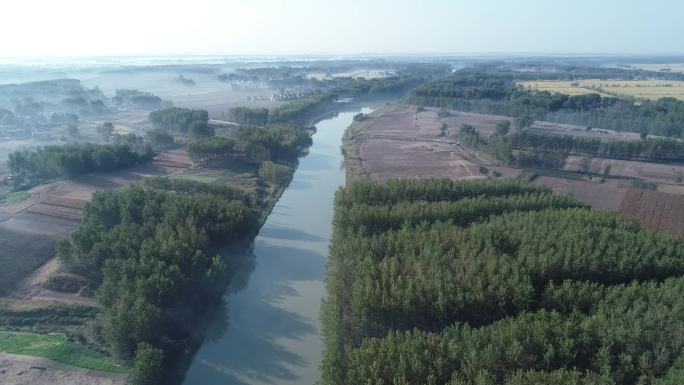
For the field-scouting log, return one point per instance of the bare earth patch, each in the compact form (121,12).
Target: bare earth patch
(402,142)
(26,370)
(657,210)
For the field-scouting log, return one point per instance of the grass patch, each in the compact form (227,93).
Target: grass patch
(13,197)
(196,178)
(56,347)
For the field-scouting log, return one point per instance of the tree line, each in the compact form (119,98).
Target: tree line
(74,159)
(488,90)
(187,121)
(547,294)
(525,148)
(276,142)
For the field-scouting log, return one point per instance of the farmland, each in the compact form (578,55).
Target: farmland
(657,210)
(401,141)
(408,142)
(640,89)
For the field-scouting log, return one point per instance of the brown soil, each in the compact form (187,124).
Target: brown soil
(401,142)
(654,209)
(606,196)
(26,370)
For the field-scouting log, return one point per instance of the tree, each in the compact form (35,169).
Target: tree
(585,164)
(200,129)
(524,121)
(159,138)
(148,368)
(502,127)
(105,130)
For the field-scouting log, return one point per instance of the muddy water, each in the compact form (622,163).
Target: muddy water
(270,331)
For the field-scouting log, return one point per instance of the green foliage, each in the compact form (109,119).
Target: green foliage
(67,283)
(57,348)
(485,89)
(177,119)
(74,159)
(253,145)
(282,142)
(377,218)
(249,116)
(272,172)
(648,149)
(549,293)
(36,318)
(105,130)
(214,148)
(297,111)
(432,190)
(188,186)
(148,366)
(360,117)
(502,127)
(12,197)
(150,250)
(159,138)
(200,129)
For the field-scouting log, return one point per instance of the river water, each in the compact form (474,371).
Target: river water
(270,330)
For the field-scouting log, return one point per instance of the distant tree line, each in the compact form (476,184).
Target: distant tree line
(526,148)
(138,99)
(656,149)
(487,90)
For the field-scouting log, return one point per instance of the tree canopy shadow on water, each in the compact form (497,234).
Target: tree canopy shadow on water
(289,233)
(246,350)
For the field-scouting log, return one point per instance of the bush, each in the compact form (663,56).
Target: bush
(148,367)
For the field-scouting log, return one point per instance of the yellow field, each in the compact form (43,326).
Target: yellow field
(643,89)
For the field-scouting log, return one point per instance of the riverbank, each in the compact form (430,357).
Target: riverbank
(270,330)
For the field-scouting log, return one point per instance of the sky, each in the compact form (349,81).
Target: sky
(64,28)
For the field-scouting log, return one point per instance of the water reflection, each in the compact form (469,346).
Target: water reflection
(274,331)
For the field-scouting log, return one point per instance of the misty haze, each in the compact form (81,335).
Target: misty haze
(272,192)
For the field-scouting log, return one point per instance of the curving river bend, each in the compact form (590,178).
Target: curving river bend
(272,314)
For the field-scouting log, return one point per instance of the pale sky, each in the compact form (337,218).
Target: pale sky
(247,27)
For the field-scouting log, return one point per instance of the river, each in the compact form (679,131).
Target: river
(270,332)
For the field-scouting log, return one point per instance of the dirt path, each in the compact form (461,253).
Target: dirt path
(31,288)
(26,370)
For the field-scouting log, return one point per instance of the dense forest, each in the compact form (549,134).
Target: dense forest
(489,90)
(152,253)
(183,120)
(71,160)
(547,292)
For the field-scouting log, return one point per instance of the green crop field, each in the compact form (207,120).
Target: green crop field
(56,347)
(642,89)
(7,197)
